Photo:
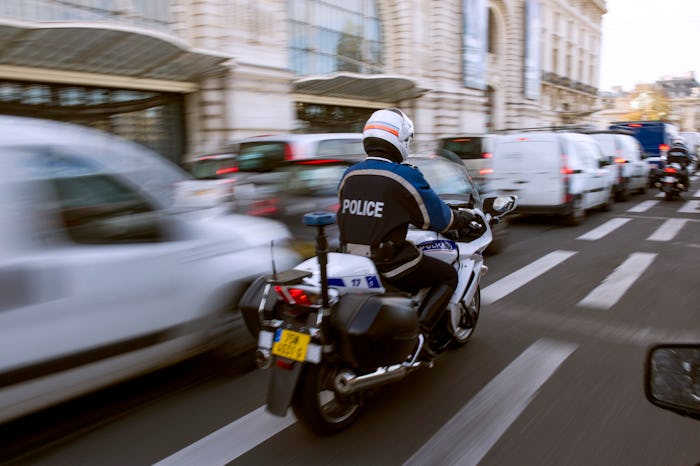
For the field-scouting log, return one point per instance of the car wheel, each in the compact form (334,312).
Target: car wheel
(577,214)
(623,194)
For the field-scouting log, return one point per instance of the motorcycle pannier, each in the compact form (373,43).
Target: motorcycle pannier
(374,331)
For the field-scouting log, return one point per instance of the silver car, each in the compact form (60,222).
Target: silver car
(102,275)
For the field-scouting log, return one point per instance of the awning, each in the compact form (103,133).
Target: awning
(371,87)
(104,49)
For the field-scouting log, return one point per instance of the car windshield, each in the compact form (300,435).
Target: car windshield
(444,176)
(465,147)
(208,168)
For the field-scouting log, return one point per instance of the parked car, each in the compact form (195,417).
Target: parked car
(475,151)
(560,173)
(450,179)
(103,276)
(628,162)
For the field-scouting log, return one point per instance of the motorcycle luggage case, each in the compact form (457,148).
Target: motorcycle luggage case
(249,305)
(374,331)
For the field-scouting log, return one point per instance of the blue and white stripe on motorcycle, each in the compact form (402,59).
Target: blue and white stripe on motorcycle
(437,245)
(367,281)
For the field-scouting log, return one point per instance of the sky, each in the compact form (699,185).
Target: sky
(645,40)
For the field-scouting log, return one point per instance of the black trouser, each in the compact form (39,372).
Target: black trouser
(442,279)
(428,273)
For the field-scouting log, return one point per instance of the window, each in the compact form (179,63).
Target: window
(327,36)
(493,33)
(96,207)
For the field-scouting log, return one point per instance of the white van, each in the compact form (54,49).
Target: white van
(628,160)
(552,173)
(475,152)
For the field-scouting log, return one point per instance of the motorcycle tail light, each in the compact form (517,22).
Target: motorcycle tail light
(663,147)
(283,364)
(295,296)
(670,170)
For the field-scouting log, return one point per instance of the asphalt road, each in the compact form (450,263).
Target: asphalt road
(552,376)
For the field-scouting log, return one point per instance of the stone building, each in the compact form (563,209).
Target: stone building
(185,76)
(682,92)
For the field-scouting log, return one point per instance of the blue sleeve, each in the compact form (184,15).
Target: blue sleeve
(437,216)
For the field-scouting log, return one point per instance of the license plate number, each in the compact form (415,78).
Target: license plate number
(669,179)
(291,345)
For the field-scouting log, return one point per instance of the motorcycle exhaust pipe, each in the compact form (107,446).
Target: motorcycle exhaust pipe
(263,358)
(347,382)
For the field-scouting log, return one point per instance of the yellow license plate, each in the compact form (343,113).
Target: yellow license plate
(291,345)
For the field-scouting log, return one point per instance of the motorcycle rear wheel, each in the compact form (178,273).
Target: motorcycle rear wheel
(469,315)
(316,405)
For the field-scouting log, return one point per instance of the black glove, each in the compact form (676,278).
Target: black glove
(462,218)
(468,225)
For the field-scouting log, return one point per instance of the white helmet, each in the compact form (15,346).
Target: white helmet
(391,125)
(679,141)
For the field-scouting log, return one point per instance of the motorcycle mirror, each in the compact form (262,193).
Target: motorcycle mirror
(672,378)
(499,205)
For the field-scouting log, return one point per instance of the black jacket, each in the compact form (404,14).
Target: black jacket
(378,200)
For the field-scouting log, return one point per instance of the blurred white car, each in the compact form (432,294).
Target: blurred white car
(102,276)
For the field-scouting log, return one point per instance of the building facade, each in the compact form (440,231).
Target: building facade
(681,92)
(186,76)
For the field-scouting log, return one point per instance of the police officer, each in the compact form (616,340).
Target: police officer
(379,197)
(678,153)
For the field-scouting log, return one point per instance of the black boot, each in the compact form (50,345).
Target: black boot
(429,313)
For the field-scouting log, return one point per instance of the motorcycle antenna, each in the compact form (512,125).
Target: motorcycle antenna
(272,258)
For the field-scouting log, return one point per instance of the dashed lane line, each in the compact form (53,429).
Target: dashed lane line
(231,441)
(475,429)
(615,285)
(690,207)
(604,229)
(515,280)
(668,230)
(643,206)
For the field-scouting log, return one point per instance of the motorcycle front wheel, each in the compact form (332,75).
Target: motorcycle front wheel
(468,317)
(317,406)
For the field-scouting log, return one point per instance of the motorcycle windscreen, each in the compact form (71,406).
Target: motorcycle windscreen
(283,382)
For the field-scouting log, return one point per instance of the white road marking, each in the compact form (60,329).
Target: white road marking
(661,194)
(697,194)
(643,206)
(668,230)
(515,280)
(475,429)
(604,229)
(692,207)
(605,295)
(231,441)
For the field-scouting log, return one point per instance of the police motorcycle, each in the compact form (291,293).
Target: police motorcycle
(331,331)
(671,182)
